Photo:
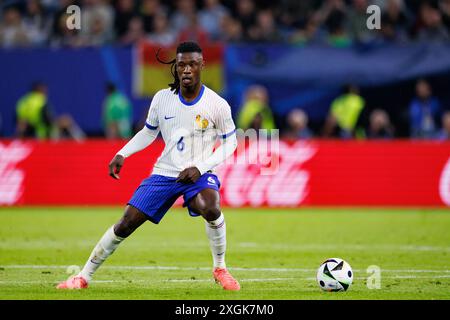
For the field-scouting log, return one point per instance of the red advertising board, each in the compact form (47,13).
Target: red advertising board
(316,172)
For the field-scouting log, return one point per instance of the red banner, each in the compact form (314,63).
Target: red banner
(330,173)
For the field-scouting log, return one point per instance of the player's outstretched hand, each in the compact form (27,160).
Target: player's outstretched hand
(115,165)
(189,175)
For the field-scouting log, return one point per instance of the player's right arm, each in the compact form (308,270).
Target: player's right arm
(140,141)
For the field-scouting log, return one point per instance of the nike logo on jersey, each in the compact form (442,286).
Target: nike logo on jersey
(167,118)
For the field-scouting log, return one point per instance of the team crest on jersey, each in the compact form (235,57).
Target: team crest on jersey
(201,123)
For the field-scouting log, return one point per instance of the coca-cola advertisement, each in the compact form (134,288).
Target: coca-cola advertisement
(260,174)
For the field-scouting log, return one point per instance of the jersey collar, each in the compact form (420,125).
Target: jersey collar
(197,99)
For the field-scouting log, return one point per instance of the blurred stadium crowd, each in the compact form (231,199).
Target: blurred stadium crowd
(337,23)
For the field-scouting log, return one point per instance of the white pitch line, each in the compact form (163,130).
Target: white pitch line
(12,282)
(21,266)
(397,277)
(416,277)
(201,245)
(148,281)
(390,247)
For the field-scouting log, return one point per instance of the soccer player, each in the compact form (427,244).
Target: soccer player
(190,117)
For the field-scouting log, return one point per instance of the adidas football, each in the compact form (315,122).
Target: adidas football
(334,274)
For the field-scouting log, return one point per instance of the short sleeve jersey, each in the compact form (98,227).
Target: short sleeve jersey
(189,129)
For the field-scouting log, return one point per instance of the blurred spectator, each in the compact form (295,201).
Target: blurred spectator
(182,17)
(380,126)
(62,36)
(33,113)
(162,34)
(52,5)
(97,20)
(117,114)
(297,121)
(66,128)
(329,8)
(338,36)
(293,14)
(310,33)
(231,29)
(124,13)
(265,28)
(444,5)
(210,17)
(395,21)
(444,133)
(344,114)
(13,31)
(148,10)
(357,17)
(333,15)
(135,31)
(424,112)
(255,112)
(429,25)
(245,13)
(37,23)
(194,32)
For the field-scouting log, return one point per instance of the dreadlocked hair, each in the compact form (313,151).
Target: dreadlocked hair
(188,46)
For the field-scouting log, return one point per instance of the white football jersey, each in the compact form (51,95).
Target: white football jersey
(189,129)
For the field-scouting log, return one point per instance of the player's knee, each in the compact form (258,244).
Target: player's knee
(210,213)
(123,228)
(129,222)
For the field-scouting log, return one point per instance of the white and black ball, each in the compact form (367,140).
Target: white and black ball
(334,274)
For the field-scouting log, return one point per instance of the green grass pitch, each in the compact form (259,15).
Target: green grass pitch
(274,253)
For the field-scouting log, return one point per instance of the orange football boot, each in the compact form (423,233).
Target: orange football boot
(225,279)
(76,282)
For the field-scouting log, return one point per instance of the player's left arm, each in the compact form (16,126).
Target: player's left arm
(226,130)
